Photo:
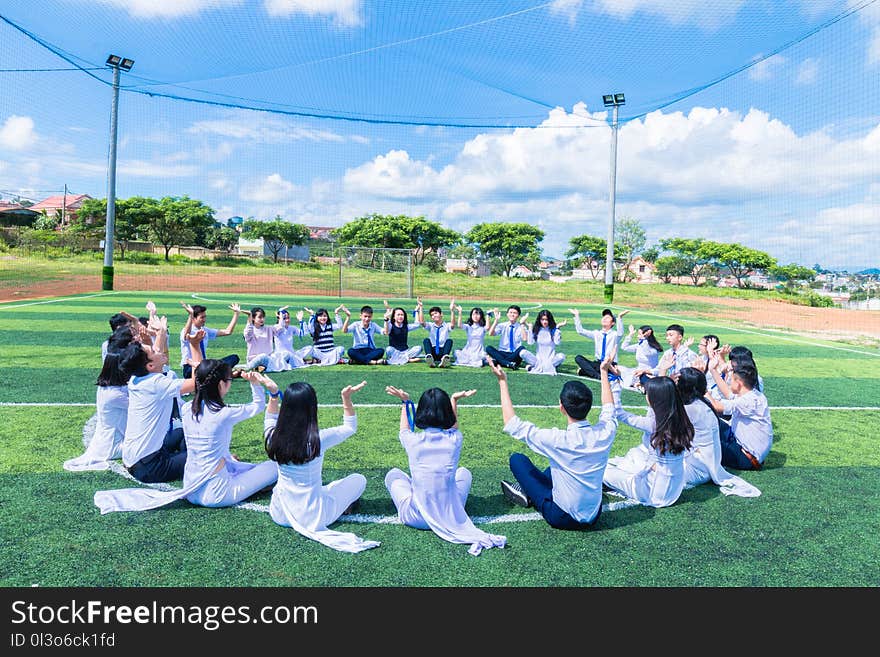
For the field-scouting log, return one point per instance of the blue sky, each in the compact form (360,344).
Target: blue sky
(783,156)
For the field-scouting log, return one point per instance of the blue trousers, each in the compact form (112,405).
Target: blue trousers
(437,352)
(363,355)
(166,463)
(732,454)
(505,358)
(232,359)
(538,486)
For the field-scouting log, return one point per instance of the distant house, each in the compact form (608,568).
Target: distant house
(13,214)
(64,208)
(250,247)
(521,271)
(319,232)
(640,269)
(476,268)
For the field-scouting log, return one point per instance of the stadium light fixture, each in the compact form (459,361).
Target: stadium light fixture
(117,63)
(614,101)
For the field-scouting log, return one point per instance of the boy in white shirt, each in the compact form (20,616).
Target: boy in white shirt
(510,340)
(604,340)
(196,320)
(568,494)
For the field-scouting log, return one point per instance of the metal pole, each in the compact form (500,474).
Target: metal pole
(411,277)
(64,208)
(107,272)
(609,249)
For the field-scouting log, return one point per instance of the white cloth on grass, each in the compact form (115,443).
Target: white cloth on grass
(105,431)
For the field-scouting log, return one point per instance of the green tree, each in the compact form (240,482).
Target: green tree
(788,275)
(192,213)
(428,237)
(630,239)
(671,266)
(223,238)
(693,251)
(276,234)
(507,245)
(46,222)
(738,259)
(651,254)
(397,232)
(131,217)
(586,248)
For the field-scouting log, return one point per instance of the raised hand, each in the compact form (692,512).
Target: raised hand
(463,393)
(252,377)
(261,378)
(195,338)
(497,370)
(187,307)
(347,391)
(562,323)
(522,320)
(689,341)
(312,312)
(151,308)
(622,313)
(299,315)
(575,312)
(632,329)
(401,394)
(236,308)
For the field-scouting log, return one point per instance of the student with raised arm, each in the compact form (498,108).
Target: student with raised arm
(438,344)
(212,477)
(647,351)
(434,494)
(300,500)
(363,350)
(652,473)
(324,351)
(546,335)
(197,317)
(603,340)
(397,329)
(702,462)
(474,352)
(677,357)
(259,339)
(284,355)
(748,443)
(511,335)
(568,494)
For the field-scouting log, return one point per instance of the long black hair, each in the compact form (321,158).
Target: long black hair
(316,327)
(111,374)
(481,321)
(295,437)
(209,374)
(691,385)
(405,327)
(435,410)
(551,323)
(648,332)
(673,431)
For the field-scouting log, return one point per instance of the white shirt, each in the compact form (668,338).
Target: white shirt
(258,339)
(149,414)
(577,456)
(647,356)
(209,436)
(433,459)
(681,358)
(110,421)
(750,422)
(364,337)
(505,343)
(438,335)
(603,340)
(210,334)
(301,501)
(702,462)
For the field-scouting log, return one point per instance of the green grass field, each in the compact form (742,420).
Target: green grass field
(816,524)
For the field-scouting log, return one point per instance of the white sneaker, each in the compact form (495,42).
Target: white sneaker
(429,359)
(444,360)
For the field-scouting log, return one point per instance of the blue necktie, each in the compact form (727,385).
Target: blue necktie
(437,339)
(602,357)
(510,338)
(370,338)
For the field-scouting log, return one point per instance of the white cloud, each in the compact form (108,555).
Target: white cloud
(260,128)
(695,174)
(766,69)
(273,189)
(166,8)
(708,15)
(808,71)
(17,133)
(343,12)
(144,169)
(870,16)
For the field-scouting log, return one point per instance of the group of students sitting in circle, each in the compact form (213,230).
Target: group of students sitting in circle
(142,418)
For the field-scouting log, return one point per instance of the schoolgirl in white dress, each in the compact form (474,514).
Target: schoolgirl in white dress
(653,472)
(647,351)
(702,462)
(285,356)
(474,352)
(398,351)
(433,495)
(300,499)
(212,477)
(546,334)
(323,350)
(110,419)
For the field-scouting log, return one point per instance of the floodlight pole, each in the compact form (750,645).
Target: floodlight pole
(110,230)
(616,100)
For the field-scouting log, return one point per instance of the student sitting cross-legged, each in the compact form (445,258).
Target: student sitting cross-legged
(568,494)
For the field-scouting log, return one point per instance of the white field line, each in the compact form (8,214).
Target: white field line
(554,406)
(37,303)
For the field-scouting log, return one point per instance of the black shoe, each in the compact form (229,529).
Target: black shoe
(514,494)
(514,366)
(581,372)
